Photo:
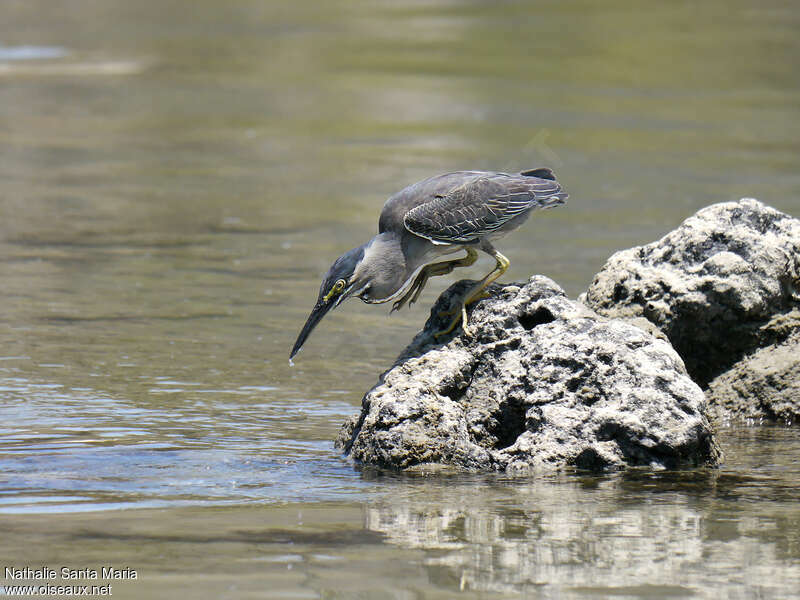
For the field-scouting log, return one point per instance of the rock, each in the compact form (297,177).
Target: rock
(723,284)
(763,385)
(541,383)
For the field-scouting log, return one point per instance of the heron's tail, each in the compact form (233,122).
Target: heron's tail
(555,200)
(541,173)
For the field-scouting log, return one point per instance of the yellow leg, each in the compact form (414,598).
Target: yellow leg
(476,293)
(433,270)
(501,267)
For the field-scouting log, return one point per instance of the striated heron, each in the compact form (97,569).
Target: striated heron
(441,215)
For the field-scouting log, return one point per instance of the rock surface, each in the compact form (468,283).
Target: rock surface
(720,286)
(541,383)
(764,385)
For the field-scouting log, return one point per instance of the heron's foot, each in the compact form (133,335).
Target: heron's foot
(475,293)
(449,313)
(459,316)
(464,323)
(479,291)
(459,312)
(413,292)
(402,302)
(461,309)
(433,270)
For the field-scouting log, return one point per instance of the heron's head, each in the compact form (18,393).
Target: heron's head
(372,272)
(345,278)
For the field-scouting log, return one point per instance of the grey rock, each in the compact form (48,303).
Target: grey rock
(541,383)
(723,284)
(763,385)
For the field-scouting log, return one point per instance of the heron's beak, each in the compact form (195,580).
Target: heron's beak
(320,310)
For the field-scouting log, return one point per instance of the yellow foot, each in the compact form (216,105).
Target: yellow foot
(460,315)
(449,313)
(477,292)
(464,324)
(462,308)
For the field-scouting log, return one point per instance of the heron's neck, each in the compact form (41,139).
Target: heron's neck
(384,264)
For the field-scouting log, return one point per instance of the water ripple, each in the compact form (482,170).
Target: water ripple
(234,447)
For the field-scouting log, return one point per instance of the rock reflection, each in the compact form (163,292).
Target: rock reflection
(619,534)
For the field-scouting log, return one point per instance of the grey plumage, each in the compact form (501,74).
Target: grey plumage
(463,207)
(428,220)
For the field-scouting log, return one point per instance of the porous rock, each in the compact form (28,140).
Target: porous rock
(720,286)
(541,382)
(762,386)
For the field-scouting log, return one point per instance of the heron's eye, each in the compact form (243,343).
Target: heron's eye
(337,289)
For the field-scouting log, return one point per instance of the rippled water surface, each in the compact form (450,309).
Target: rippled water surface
(176,176)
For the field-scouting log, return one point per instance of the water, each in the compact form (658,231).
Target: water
(175,178)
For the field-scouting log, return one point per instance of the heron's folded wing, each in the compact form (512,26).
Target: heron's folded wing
(480,207)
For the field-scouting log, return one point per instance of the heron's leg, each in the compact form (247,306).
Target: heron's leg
(501,267)
(433,270)
(443,268)
(476,292)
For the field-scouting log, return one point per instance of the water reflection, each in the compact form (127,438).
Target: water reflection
(663,535)
(8,53)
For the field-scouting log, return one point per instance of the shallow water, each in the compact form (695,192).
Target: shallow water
(176,177)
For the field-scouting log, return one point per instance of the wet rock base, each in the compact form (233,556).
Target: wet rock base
(764,386)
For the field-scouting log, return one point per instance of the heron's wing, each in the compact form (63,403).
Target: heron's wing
(482,206)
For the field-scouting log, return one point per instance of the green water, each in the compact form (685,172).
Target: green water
(176,176)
